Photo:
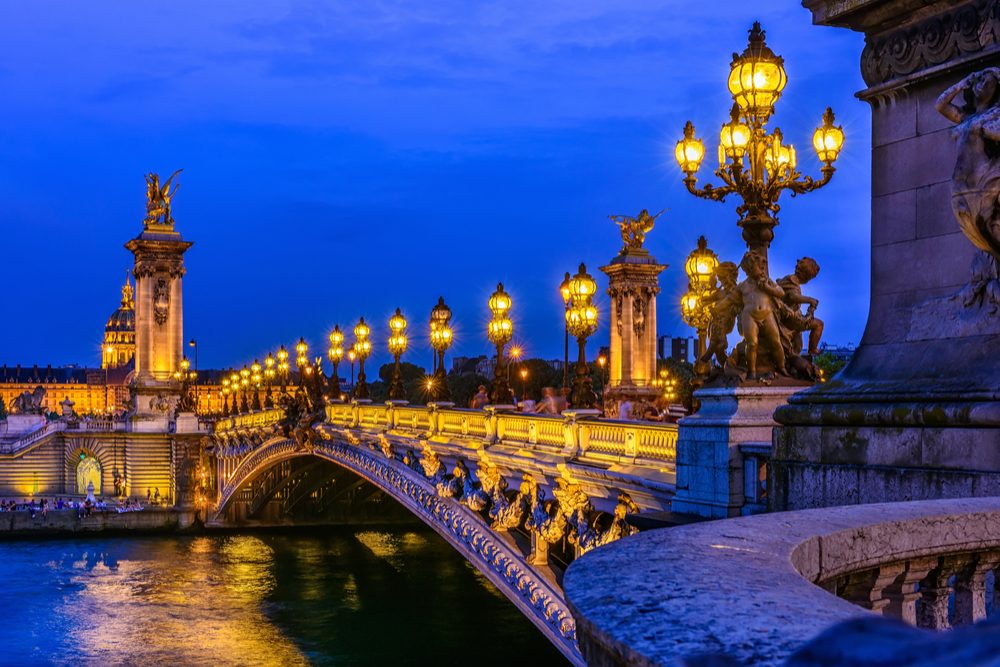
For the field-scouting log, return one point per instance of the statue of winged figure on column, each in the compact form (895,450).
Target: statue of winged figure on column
(158,198)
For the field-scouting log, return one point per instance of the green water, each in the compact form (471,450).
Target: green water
(371,597)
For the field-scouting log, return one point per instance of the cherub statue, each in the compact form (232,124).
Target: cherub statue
(158,199)
(758,320)
(634,230)
(975,182)
(792,319)
(725,303)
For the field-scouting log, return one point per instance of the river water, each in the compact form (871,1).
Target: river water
(338,597)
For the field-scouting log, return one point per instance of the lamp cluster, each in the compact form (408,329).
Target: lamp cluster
(581,321)
(754,163)
(695,304)
(499,331)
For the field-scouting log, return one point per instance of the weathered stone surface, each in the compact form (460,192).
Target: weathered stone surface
(742,587)
(709,461)
(871,642)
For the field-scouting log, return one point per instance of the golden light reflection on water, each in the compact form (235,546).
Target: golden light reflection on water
(190,603)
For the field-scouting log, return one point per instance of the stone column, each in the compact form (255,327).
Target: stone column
(914,415)
(633,280)
(159,267)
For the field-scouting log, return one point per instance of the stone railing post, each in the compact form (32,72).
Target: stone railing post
(571,430)
(903,594)
(493,415)
(392,413)
(436,416)
(932,612)
(868,589)
(970,588)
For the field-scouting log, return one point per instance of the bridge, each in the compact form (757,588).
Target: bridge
(520,496)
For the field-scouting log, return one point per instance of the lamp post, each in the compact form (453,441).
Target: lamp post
(602,361)
(397,346)
(362,348)
(225,396)
(234,387)
(301,359)
(499,332)
(353,356)
(566,296)
(441,339)
(269,364)
(245,385)
(754,164)
(524,376)
(255,379)
(695,310)
(283,367)
(335,353)
(581,320)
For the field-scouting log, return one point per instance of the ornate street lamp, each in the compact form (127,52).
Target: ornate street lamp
(397,346)
(335,353)
(225,396)
(245,385)
(441,339)
(581,319)
(234,387)
(353,356)
(255,379)
(269,373)
(566,296)
(755,164)
(283,367)
(362,348)
(301,359)
(499,332)
(695,310)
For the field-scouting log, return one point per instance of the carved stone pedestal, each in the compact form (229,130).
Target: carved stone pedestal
(710,463)
(916,413)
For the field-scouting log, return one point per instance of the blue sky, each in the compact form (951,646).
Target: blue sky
(342,159)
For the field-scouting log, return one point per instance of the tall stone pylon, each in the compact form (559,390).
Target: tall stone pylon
(159,312)
(633,283)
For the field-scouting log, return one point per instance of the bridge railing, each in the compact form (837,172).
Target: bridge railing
(577,432)
(252,420)
(933,564)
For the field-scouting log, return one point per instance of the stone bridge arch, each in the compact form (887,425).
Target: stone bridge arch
(532,592)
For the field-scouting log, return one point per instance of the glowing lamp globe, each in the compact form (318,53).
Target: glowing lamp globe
(689,151)
(757,76)
(701,264)
(499,302)
(828,139)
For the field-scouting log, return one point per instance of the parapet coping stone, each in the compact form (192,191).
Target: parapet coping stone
(743,587)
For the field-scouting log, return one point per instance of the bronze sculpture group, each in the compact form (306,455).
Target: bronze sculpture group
(768,314)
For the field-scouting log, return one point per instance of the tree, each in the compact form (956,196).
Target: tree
(414,381)
(539,375)
(683,372)
(828,365)
(463,387)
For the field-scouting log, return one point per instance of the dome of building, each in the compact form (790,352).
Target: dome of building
(123,319)
(119,332)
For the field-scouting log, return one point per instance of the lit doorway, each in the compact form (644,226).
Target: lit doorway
(87,471)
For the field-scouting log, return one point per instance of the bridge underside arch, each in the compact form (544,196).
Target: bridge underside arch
(308,489)
(333,475)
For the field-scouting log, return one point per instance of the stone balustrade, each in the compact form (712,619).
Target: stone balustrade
(759,588)
(576,432)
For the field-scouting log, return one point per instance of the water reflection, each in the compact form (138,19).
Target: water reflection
(373,597)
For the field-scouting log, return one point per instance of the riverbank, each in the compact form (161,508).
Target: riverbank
(68,522)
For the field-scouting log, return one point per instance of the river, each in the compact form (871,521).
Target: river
(336,597)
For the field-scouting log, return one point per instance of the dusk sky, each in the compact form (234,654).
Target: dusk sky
(345,158)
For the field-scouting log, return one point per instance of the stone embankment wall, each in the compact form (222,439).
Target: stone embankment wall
(63,522)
